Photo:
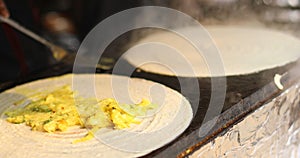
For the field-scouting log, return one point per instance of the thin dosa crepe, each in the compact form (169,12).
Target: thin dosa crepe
(172,118)
(251,57)
(243,51)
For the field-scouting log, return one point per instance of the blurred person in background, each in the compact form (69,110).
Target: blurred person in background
(3,10)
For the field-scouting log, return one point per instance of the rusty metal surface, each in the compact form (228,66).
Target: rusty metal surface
(273,130)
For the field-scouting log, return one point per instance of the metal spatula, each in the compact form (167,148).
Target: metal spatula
(57,52)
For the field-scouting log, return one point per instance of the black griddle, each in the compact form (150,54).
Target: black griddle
(189,141)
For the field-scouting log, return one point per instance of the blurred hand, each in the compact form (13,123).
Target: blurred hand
(3,10)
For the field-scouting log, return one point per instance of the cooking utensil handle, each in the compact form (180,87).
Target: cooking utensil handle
(26,31)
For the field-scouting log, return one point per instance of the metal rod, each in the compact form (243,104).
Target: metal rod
(26,31)
(57,52)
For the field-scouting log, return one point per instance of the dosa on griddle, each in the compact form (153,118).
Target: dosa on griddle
(17,140)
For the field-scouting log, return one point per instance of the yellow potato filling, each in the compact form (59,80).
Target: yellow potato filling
(61,108)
